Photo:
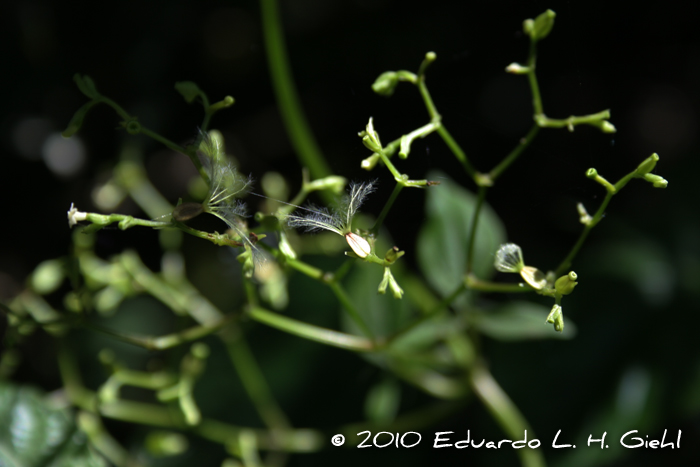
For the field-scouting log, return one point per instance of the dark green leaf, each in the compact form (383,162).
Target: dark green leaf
(442,242)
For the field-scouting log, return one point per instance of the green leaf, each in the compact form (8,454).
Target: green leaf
(520,320)
(442,242)
(34,433)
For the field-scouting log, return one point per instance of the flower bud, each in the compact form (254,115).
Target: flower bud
(554,314)
(47,276)
(648,164)
(385,281)
(583,215)
(541,26)
(370,162)
(518,69)
(386,83)
(77,121)
(509,258)
(565,284)
(393,254)
(188,89)
(656,180)
(335,183)
(86,85)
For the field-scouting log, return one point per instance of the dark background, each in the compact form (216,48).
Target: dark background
(635,363)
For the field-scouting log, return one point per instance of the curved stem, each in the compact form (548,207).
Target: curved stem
(287,97)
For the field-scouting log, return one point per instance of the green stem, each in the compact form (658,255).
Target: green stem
(163,342)
(387,207)
(505,412)
(474,283)
(473,227)
(457,151)
(566,262)
(532,79)
(297,127)
(311,332)
(350,309)
(254,381)
(510,158)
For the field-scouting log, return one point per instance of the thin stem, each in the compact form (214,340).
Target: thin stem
(162,342)
(254,381)
(474,283)
(473,227)
(427,98)
(532,79)
(456,150)
(311,332)
(297,127)
(505,412)
(387,207)
(566,262)
(350,309)
(510,158)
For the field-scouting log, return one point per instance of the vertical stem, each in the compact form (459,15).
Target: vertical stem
(472,230)
(532,78)
(387,207)
(292,114)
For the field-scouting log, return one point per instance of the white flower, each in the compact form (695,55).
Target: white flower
(509,258)
(75,216)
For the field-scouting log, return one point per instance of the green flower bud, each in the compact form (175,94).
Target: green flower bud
(565,284)
(200,350)
(554,314)
(393,254)
(188,89)
(405,147)
(285,248)
(86,86)
(540,27)
(47,277)
(509,258)
(656,180)
(77,121)
(385,281)
(648,164)
(394,286)
(370,162)
(386,83)
(607,127)
(166,443)
(335,183)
